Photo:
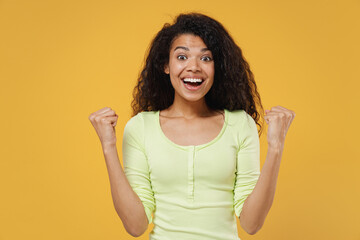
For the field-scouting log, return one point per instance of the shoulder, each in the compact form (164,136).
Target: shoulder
(137,127)
(242,121)
(133,134)
(239,117)
(137,122)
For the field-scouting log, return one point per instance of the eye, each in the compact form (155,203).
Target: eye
(207,59)
(181,57)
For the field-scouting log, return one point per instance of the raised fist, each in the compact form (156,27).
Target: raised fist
(104,122)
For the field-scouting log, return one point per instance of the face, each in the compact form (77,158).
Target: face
(191,68)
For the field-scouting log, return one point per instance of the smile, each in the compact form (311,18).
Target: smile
(192,83)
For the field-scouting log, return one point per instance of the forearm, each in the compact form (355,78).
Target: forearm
(126,202)
(258,203)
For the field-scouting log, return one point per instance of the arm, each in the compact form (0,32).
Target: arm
(137,170)
(258,203)
(247,173)
(131,189)
(126,202)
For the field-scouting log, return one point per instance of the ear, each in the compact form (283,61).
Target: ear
(166,69)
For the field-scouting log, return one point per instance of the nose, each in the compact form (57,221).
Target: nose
(193,65)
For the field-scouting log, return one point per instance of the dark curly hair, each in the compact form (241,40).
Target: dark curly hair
(234,87)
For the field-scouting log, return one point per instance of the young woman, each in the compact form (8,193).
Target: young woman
(191,149)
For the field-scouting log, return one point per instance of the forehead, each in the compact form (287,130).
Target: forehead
(188,40)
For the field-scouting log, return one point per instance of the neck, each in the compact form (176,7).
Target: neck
(188,109)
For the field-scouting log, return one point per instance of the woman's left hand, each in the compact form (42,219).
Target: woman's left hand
(279,120)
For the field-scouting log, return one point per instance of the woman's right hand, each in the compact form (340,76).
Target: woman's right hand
(104,122)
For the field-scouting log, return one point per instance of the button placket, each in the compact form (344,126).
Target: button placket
(191,156)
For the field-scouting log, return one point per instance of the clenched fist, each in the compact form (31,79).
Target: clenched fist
(279,120)
(104,122)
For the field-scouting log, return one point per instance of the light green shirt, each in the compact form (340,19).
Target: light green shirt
(193,191)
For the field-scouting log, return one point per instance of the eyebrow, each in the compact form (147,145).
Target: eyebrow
(187,49)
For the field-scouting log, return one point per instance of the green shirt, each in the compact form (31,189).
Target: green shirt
(193,191)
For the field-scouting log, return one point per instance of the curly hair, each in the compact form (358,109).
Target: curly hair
(234,87)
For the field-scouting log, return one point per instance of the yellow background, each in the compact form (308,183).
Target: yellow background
(62,60)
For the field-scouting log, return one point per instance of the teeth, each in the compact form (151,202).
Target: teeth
(192,80)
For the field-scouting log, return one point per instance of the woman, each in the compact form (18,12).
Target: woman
(191,150)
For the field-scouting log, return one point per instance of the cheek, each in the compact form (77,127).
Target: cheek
(175,81)
(210,71)
(177,68)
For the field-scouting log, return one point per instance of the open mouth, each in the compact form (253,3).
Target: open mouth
(194,82)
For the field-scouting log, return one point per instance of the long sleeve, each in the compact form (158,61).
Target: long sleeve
(135,163)
(248,163)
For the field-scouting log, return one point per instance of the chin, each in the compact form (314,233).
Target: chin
(193,98)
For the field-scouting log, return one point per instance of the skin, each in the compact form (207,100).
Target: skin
(192,62)
(258,203)
(126,202)
(190,107)
(279,120)
(188,121)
